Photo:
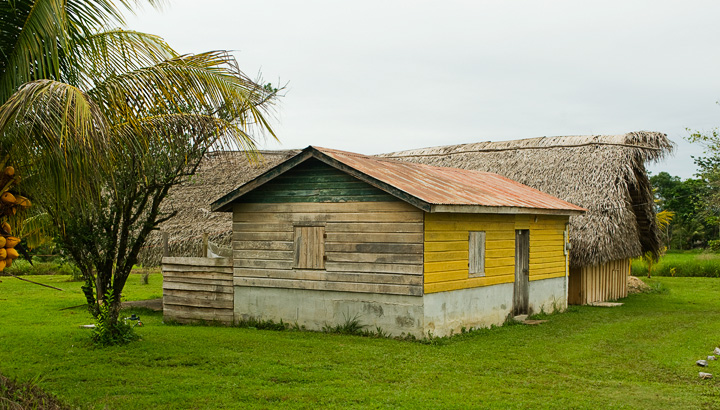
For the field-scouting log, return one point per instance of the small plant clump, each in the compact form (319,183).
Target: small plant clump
(253,323)
(26,395)
(108,332)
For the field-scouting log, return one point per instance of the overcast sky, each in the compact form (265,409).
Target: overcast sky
(377,76)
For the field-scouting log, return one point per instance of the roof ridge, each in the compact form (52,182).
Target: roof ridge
(627,140)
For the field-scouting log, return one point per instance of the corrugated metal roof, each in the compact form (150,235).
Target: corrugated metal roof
(450,186)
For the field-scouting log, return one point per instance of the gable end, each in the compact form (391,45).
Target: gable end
(315,181)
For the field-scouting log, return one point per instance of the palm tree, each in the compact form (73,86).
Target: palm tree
(103,122)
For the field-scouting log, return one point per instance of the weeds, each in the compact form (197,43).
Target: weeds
(658,287)
(254,323)
(26,395)
(351,326)
(510,321)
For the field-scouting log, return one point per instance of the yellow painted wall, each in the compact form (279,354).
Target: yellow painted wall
(446,249)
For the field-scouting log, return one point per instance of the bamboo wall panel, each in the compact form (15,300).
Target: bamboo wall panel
(372,247)
(198,289)
(446,254)
(599,283)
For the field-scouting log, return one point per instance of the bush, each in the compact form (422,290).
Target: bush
(22,267)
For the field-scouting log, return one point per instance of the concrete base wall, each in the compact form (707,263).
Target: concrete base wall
(547,295)
(475,307)
(440,313)
(395,314)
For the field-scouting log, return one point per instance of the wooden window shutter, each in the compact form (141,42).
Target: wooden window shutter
(309,247)
(476,253)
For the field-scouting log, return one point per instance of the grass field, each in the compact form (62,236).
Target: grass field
(682,264)
(640,355)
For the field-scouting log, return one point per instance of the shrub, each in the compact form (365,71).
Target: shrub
(22,267)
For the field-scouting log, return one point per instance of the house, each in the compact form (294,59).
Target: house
(604,174)
(326,236)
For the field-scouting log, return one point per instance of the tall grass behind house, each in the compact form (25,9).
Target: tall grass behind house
(682,264)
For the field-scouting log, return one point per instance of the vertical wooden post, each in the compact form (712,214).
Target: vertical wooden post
(166,246)
(205,246)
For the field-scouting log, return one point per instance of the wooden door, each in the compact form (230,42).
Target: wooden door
(522,272)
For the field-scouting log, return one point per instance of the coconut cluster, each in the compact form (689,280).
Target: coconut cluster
(10,204)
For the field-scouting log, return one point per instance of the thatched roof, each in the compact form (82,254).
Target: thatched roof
(603,173)
(218,174)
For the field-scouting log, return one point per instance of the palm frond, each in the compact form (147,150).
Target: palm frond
(31,49)
(114,52)
(663,219)
(57,131)
(195,131)
(36,229)
(35,36)
(87,17)
(207,83)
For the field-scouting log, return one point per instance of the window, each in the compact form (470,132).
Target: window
(309,247)
(476,253)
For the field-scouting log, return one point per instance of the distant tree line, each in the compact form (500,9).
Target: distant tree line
(694,201)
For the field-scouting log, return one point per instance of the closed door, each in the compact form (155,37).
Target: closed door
(522,272)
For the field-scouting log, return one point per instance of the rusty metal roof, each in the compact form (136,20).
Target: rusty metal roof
(450,186)
(433,189)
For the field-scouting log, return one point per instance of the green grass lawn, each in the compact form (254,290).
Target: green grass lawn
(640,355)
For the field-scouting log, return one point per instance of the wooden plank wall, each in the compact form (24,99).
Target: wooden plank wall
(446,249)
(315,181)
(196,289)
(372,247)
(604,282)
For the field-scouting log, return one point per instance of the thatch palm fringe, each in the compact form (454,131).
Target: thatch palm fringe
(218,174)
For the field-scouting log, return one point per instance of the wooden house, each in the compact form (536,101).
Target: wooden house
(327,236)
(603,173)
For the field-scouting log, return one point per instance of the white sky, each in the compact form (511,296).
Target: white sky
(377,76)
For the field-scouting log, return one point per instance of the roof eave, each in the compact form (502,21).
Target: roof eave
(512,210)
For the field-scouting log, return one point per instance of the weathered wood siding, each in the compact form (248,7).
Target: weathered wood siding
(599,283)
(314,181)
(446,249)
(373,242)
(197,289)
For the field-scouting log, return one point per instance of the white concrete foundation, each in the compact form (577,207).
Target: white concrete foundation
(475,307)
(547,295)
(314,309)
(439,313)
